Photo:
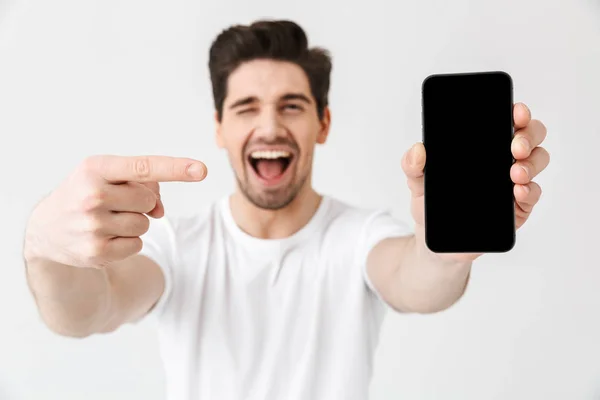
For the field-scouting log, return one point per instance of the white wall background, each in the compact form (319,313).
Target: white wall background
(130,77)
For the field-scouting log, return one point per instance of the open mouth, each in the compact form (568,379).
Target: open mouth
(270,165)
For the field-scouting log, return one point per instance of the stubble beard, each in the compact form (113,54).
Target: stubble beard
(272,199)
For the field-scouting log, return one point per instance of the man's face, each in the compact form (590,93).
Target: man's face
(269,128)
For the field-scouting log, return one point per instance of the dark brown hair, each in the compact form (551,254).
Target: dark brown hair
(279,40)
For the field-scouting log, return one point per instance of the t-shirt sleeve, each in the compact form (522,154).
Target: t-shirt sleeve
(380,225)
(159,244)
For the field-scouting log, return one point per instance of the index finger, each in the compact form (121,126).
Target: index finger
(149,169)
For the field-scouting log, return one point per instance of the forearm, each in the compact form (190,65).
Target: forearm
(424,283)
(82,242)
(72,301)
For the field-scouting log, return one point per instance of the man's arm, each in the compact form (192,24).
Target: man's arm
(79,302)
(83,241)
(411,279)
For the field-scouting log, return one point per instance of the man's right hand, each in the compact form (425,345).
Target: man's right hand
(97,215)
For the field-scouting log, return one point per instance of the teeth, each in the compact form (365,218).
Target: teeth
(270,154)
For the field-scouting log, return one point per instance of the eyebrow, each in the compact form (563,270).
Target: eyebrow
(251,99)
(242,102)
(296,96)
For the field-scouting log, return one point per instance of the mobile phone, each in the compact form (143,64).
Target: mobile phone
(467,133)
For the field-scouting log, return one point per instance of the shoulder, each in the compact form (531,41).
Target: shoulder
(360,228)
(355,218)
(342,212)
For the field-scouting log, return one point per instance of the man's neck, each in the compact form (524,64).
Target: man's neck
(274,224)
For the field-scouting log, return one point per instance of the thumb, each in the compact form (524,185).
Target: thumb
(159,210)
(413,161)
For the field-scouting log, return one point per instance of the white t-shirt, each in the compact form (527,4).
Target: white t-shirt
(280,319)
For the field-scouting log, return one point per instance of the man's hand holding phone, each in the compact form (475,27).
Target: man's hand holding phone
(530,160)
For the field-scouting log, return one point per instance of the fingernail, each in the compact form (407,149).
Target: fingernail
(524,143)
(196,171)
(525,169)
(526,189)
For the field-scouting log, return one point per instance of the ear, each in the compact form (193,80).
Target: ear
(218,134)
(325,124)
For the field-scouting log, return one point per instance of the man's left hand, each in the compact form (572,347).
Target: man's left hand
(530,160)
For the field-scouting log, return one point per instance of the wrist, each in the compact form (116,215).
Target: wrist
(443,260)
(31,245)
(32,241)
(448,262)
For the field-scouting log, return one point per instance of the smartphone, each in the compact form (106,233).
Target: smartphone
(467,133)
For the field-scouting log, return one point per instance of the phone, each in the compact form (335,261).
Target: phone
(467,134)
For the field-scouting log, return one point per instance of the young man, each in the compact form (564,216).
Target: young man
(275,292)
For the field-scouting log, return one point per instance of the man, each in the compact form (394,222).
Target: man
(275,292)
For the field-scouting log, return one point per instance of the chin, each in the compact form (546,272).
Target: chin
(270,199)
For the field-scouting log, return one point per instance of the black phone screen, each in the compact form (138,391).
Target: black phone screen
(467,134)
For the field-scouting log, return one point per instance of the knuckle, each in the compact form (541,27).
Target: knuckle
(90,164)
(93,200)
(141,167)
(92,224)
(94,252)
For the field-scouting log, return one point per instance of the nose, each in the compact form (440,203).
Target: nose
(268,125)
